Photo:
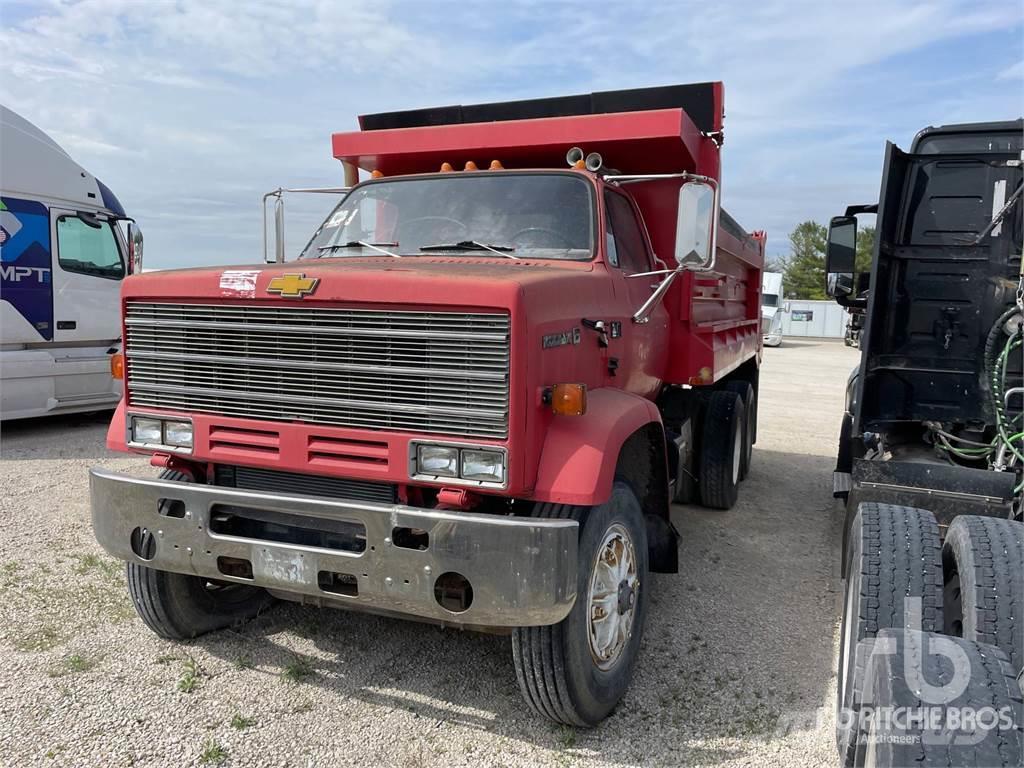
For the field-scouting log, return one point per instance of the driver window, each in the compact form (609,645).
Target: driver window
(628,239)
(88,250)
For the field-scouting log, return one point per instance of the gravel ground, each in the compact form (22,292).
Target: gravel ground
(736,668)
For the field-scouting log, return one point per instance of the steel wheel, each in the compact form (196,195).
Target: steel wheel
(613,594)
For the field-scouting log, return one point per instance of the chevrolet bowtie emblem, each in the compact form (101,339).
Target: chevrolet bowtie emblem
(292,286)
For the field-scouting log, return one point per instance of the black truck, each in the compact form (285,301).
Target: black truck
(931,457)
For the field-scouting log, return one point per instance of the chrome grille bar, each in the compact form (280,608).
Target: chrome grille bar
(432,372)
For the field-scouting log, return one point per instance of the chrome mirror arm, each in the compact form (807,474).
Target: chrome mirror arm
(643,314)
(279,194)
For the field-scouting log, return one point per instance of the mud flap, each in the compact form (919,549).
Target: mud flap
(945,490)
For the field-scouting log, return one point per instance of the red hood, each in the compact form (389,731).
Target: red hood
(436,280)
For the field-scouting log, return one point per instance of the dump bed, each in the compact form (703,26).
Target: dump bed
(715,315)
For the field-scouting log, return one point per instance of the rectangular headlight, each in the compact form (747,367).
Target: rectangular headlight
(440,460)
(178,433)
(147,430)
(486,466)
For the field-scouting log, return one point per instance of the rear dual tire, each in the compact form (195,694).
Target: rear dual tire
(894,554)
(983,560)
(722,449)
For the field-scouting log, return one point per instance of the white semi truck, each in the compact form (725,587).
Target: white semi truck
(771,308)
(63,254)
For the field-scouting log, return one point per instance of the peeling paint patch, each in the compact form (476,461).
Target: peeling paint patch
(239,283)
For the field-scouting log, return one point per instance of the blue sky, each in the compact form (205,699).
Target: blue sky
(191,110)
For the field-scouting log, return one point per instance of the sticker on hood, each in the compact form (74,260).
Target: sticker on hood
(239,283)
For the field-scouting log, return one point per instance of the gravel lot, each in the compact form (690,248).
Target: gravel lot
(736,668)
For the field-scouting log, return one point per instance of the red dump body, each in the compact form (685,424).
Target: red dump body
(228,348)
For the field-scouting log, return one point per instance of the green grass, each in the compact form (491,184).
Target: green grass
(166,658)
(298,669)
(244,661)
(567,736)
(42,639)
(190,675)
(239,722)
(73,664)
(213,753)
(93,563)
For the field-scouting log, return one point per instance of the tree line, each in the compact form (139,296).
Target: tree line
(803,269)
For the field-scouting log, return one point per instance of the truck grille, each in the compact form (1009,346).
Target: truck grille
(433,372)
(291,483)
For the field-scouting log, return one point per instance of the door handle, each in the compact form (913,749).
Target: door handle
(66,325)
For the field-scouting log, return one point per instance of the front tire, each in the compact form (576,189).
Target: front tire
(177,606)
(576,671)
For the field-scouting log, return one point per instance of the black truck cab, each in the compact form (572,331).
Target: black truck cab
(934,409)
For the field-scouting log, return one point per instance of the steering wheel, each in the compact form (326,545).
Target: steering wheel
(558,235)
(434,220)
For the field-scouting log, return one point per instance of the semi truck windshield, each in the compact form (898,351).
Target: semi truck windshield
(530,215)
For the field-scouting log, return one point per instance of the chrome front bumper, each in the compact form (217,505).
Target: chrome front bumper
(522,570)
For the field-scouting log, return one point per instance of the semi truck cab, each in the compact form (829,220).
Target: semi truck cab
(64,255)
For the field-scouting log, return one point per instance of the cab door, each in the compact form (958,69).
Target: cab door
(88,266)
(640,348)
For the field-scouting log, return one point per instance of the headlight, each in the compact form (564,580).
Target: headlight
(172,434)
(486,466)
(473,464)
(147,430)
(178,433)
(438,460)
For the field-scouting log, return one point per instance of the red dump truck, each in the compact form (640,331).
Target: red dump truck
(470,401)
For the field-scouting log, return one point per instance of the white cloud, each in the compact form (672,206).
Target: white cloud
(1013,72)
(190,110)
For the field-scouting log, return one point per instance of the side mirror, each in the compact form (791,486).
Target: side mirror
(134,248)
(696,225)
(787,307)
(841,255)
(279,230)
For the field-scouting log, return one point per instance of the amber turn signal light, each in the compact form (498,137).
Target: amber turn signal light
(569,399)
(117,366)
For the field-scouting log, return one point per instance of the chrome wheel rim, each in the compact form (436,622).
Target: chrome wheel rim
(614,590)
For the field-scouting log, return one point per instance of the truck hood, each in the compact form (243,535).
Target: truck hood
(420,280)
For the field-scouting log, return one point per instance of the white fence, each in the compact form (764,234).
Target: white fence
(819,319)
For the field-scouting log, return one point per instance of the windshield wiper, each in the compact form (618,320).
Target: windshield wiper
(363,244)
(472,245)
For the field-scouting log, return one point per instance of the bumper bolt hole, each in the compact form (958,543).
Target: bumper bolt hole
(453,592)
(143,543)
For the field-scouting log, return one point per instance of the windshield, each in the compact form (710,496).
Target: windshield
(769,300)
(527,215)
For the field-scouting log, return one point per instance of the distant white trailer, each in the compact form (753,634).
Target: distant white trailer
(815,319)
(62,258)
(772,308)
